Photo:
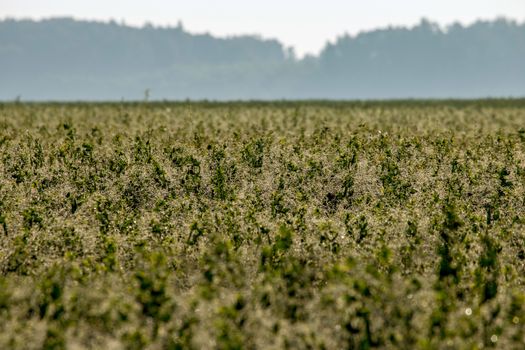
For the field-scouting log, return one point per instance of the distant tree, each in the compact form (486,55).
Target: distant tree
(63,58)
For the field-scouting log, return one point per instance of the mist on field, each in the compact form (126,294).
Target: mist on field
(68,59)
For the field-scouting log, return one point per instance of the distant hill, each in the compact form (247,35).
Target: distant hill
(66,59)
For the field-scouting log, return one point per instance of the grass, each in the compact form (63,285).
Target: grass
(263,225)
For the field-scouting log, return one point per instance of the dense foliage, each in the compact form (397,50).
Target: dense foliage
(292,225)
(66,59)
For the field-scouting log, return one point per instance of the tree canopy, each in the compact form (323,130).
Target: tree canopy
(67,59)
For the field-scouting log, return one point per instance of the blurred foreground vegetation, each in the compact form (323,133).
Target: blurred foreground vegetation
(263,225)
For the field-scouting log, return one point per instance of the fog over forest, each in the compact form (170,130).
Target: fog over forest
(67,59)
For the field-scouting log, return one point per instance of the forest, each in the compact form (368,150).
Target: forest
(67,59)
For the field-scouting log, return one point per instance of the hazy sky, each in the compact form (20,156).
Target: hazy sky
(303,24)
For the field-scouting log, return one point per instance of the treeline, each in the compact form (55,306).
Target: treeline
(66,59)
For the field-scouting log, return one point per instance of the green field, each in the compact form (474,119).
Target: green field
(314,225)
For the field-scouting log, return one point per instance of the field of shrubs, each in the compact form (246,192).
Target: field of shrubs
(313,225)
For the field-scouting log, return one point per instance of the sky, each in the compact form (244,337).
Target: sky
(305,25)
